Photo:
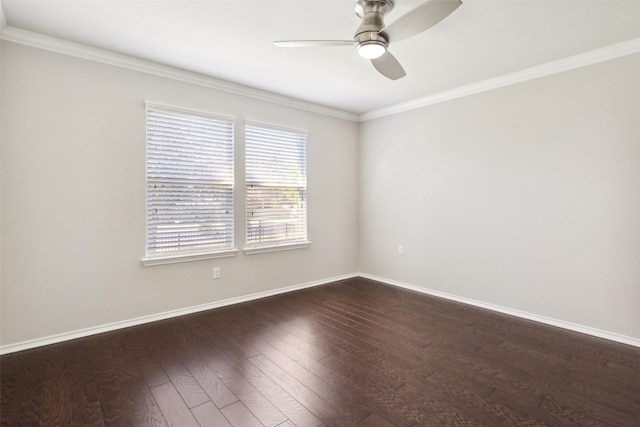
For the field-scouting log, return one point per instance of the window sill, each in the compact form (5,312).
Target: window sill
(172,259)
(275,248)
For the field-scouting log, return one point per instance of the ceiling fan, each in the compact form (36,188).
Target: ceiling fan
(372,37)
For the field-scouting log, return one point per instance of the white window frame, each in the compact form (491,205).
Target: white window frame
(283,230)
(194,142)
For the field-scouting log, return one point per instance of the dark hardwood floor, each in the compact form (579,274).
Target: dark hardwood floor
(354,352)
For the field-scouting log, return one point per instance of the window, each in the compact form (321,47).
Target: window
(189,184)
(276,181)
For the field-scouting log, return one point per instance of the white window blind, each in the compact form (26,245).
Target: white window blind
(189,182)
(276,180)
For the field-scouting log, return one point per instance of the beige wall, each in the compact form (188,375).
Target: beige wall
(526,197)
(73,198)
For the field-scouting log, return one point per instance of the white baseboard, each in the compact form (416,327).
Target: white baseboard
(53,339)
(522,314)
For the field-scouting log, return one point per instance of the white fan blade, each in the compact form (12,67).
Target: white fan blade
(420,19)
(312,43)
(388,66)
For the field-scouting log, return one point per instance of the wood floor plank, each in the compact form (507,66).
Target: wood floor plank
(174,409)
(266,412)
(146,411)
(215,388)
(130,403)
(239,415)
(88,414)
(208,415)
(306,396)
(144,349)
(57,403)
(321,382)
(20,400)
(361,349)
(186,385)
(288,405)
(375,420)
(523,404)
(293,336)
(595,414)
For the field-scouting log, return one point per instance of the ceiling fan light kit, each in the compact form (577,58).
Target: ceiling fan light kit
(371,49)
(372,37)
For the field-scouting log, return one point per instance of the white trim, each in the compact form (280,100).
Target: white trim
(53,339)
(275,248)
(173,259)
(612,336)
(65,47)
(596,56)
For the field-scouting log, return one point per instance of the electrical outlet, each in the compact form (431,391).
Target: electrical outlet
(400,250)
(216,272)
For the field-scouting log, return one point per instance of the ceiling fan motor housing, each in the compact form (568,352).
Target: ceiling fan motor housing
(372,13)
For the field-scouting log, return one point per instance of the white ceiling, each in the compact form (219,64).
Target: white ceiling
(232,41)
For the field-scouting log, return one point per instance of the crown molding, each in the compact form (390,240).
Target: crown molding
(65,47)
(596,56)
